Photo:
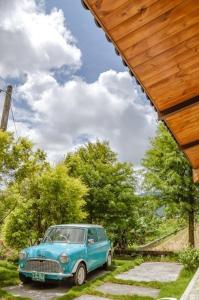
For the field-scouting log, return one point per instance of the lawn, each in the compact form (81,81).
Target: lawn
(9,276)
(171,289)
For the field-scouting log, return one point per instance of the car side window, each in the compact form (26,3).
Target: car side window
(101,235)
(92,234)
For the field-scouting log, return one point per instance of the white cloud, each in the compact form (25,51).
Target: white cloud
(32,40)
(59,117)
(109,108)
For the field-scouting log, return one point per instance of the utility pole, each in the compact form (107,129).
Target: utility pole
(6,108)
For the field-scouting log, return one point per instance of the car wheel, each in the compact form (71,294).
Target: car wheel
(80,275)
(24,279)
(109,261)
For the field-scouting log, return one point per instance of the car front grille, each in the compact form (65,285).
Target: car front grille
(42,265)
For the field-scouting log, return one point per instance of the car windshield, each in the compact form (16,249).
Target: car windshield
(65,235)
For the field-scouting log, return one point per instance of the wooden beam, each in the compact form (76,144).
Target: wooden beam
(190,145)
(196,175)
(178,107)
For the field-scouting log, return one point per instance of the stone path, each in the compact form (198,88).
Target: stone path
(153,271)
(37,291)
(150,271)
(124,289)
(89,297)
(41,291)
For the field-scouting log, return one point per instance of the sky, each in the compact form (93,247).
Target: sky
(69,85)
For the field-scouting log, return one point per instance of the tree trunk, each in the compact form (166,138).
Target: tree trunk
(191,228)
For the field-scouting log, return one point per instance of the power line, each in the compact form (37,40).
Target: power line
(1,90)
(13,118)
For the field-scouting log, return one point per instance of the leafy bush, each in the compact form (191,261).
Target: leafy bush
(2,252)
(189,258)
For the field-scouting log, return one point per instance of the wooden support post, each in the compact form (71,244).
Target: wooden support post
(196,175)
(6,108)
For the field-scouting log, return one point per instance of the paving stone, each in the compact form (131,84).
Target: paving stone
(47,291)
(35,292)
(89,297)
(124,289)
(153,271)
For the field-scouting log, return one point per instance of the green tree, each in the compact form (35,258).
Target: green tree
(169,175)
(51,198)
(18,161)
(110,199)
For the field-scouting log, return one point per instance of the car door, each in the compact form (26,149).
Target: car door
(103,245)
(93,260)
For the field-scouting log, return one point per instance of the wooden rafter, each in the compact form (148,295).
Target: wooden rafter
(159,41)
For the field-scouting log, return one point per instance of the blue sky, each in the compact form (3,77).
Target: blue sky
(69,85)
(98,54)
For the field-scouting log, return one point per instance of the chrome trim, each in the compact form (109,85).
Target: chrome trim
(45,268)
(46,273)
(40,258)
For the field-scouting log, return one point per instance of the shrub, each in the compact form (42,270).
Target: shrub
(189,258)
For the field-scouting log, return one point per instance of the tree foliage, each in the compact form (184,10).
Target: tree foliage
(111,187)
(168,173)
(50,198)
(18,161)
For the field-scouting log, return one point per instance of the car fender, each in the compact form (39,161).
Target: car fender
(109,250)
(77,264)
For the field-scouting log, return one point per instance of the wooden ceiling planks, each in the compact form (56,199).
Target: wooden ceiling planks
(159,41)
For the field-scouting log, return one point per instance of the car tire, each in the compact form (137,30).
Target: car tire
(80,275)
(24,279)
(109,261)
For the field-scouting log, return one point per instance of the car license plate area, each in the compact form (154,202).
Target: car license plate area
(37,276)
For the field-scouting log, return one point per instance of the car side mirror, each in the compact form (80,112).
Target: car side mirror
(91,241)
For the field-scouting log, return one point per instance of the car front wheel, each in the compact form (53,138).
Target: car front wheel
(80,274)
(24,279)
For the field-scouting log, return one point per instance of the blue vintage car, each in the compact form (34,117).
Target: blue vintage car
(71,250)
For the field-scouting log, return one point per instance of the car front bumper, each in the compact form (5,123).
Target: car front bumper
(48,276)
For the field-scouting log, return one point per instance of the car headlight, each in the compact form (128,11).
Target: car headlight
(63,258)
(22,255)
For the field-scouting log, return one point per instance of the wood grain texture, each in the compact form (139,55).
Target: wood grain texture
(193,156)
(185,124)
(162,47)
(128,11)
(105,8)
(124,31)
(164,34)
(182,51)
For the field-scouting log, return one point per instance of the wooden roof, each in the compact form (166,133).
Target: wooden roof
(159,41)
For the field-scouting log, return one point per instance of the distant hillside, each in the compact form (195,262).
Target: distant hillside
(176,242)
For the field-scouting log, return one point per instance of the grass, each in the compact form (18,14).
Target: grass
(171,289)
(9,276)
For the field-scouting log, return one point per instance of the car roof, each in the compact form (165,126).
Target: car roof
(79,225)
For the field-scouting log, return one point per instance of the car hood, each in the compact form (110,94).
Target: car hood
(52,250)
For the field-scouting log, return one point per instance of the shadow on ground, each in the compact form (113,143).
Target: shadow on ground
(47,291)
